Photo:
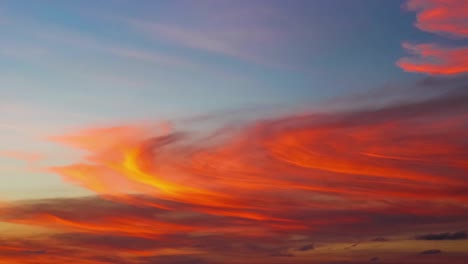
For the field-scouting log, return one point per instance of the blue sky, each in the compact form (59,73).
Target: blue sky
(173,57)
(67,64)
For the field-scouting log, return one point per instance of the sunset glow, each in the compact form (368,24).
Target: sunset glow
(228,132)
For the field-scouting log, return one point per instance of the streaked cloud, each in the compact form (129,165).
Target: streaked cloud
(220,42)
(447,17)
(282,189)
(28,157)
(248,32)
(444,236)
(109,47)
(434,59)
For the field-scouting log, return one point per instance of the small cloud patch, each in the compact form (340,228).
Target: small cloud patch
(431,252)
(306,247)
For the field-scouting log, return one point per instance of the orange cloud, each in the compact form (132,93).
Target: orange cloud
(169,195)
(240,174)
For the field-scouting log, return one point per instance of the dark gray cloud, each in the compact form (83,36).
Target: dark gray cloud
(431,252)
(183,259)
(111,242)
(306,247)
(280,254)
(444,236)
(353,245)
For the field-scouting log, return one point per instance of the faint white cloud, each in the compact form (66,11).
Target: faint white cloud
(83,41)
(237,43)
(22,51)
(248,31)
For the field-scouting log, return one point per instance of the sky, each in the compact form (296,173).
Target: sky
(228,132)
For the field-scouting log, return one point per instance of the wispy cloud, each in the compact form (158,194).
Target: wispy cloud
(22,156)
(441,17)
(142,56)
(88,42)
(22,51)
(249,32)
(447,17)
(434,59)
(221,42)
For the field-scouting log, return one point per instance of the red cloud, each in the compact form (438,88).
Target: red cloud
(435,60)
(441,16)
(448,17)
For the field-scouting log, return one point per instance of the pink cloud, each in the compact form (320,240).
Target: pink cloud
(29,157)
